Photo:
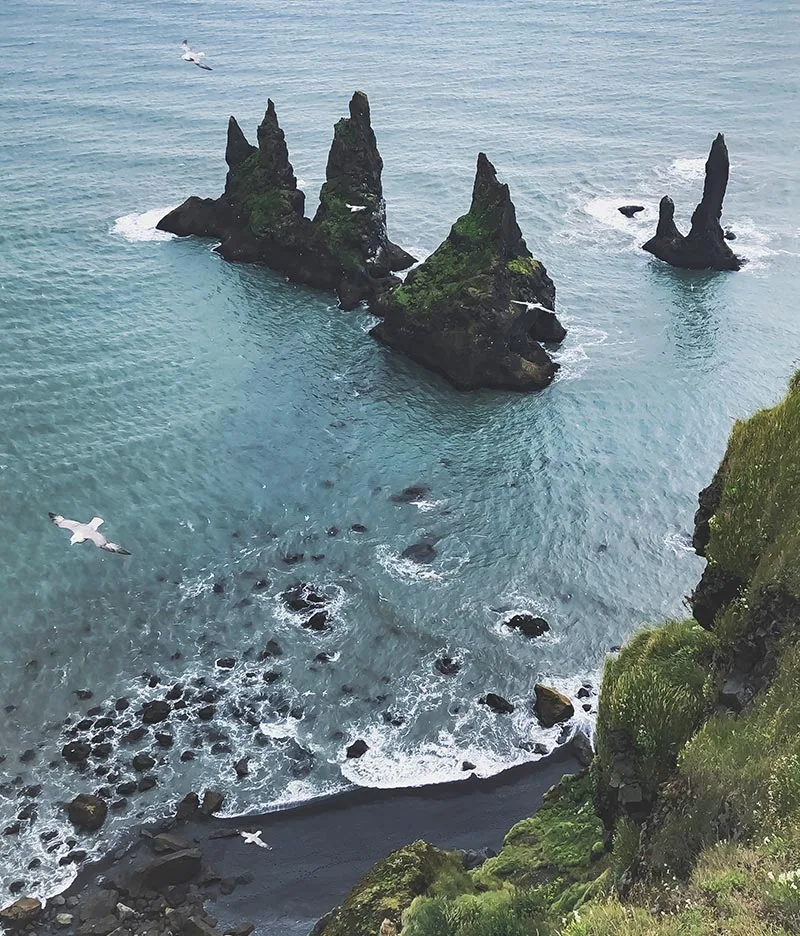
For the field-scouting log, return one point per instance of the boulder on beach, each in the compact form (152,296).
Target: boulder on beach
(21,912)
(260,217)
(552,706)
(704,247)
(87,812)
(477,309)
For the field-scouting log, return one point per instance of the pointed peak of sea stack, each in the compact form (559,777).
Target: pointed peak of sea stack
(493,209)
(238,149)
(273,154)
(359,107)
(705,247)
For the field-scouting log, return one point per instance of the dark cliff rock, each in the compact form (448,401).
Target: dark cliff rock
(260,217)
(477,308)
(351,218)
(704,248)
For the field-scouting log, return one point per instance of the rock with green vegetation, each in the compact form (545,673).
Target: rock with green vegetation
(390,887)
(477,309)
(655,694)
(351,218)
(260,216)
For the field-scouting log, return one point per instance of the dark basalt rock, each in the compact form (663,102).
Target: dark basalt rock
(708,501)
(630,210)
(357,748)
(260,217)
(456,313)
(704,247)
(410,494)
(497,703)
(87,812)
(528,624)
(357,239)
(212,802)
(551,706)
(172,869)
(143,762)
(447,666)
(76,751)
(716,589)
(155,711)
(21,912)
(419,552)
(301,596)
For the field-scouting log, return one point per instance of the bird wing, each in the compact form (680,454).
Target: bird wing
(112,547)
(201,65)
(62,522)
(185,45)
(95,522)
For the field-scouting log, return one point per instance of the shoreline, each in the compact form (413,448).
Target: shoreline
(320,849)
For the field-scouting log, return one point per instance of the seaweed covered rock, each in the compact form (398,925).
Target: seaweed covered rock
(705,246)
(390,887)
(477,309)
(351,218)
(260,215)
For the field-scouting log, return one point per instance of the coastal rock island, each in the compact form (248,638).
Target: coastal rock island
(477,309)
(705,246)
(260,216)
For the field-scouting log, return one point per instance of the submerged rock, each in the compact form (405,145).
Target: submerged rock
(528,624)
(477,308)
(260,217)
(357,748)
(552,706)
(704,247)
(497,703)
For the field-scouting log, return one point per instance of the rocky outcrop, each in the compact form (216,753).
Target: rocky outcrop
(351,218)
(552,706)
(705,247)
(21,912)
(87,812)
(260,215)
(477,309)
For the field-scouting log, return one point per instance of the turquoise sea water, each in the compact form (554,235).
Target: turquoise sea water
(220,419)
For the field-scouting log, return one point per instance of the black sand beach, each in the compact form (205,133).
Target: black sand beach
(319,851)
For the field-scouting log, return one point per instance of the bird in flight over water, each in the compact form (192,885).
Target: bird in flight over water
(81,532)
(196,58)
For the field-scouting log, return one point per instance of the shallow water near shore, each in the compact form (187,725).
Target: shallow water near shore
(222,420)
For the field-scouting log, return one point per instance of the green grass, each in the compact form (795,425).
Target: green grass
(655,694)
(755,533)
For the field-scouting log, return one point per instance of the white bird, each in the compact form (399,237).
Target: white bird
(355,208)
(87,531)
(532,306)
(194,57)
(254,838)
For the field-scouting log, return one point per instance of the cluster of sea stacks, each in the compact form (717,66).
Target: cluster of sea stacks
(475,311)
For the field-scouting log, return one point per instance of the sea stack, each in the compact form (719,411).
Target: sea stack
(705,247)
(351,218)
(260,217)
(477,309)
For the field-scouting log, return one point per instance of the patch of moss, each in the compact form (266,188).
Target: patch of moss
(390,887)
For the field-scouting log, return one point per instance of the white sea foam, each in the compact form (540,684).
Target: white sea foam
(606,210)
(679,543)
(688,168)
(142,226)
(574,354)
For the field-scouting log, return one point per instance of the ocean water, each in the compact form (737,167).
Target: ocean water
(220,419)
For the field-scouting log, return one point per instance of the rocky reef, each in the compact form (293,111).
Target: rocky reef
(479,307)
(260,216)
(688,819)
(705,247)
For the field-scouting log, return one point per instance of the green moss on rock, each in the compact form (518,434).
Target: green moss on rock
(390,887)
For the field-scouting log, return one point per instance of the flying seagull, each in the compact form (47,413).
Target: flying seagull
(532,306)
(355,208)
(87,531)
(193,57)
(254,838)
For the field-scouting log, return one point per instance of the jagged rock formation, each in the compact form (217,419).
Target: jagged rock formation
(357,238)
(704,248)
(260,215)
(477,308)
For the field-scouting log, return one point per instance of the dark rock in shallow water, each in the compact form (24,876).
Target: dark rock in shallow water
(143,762)
(477,308)
(155,711)
(447,666)
(188,806)
(212,802)
(528,624)
(76,751)
(552,706)
(410,494)
(260,216)
(728,234)
(704,247)
(301,596)
(497,703)
(318,621)
(630,210)
(146,783)
(357,748)
(225,663)
(84,694)
(242,767)
(87,812)
(419,552)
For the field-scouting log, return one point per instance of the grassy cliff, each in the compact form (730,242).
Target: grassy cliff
(687,823)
